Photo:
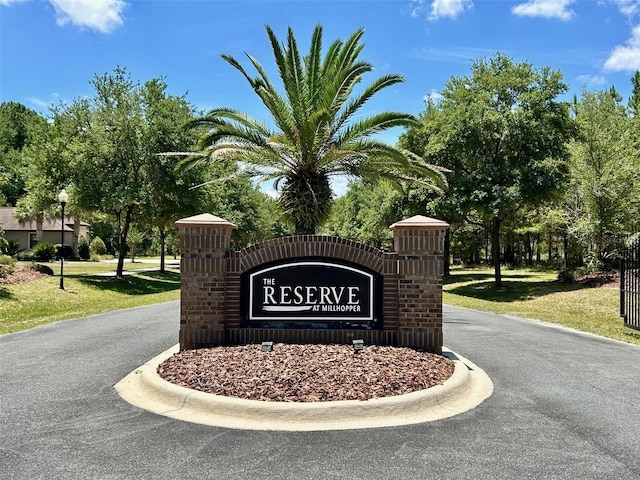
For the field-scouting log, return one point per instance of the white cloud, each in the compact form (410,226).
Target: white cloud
(592,80)
(626,57)
(545,8)
(435,96)
(101,15)
(440,8)
(627,7)
(39,103)
(451,54)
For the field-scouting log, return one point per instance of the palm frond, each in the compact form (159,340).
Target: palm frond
(357,102)
(313,66)
(373,125)
(314,134)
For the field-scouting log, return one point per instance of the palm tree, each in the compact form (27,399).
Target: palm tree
(316,134)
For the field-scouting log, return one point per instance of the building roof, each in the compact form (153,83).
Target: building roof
(9,222)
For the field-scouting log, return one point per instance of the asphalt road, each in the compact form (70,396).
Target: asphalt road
(565,406)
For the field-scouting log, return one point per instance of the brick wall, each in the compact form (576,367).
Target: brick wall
(419,246)
(412,283)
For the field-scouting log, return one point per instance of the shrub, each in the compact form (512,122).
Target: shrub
(97,246)
(44,251)
(11,248)
(46,269)
(6,265)
(83,249)
(6,260)
(569,275)
(5,270)
(27,256)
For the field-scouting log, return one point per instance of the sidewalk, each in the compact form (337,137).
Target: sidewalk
(171,264)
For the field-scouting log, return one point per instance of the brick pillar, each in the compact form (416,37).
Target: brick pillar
(419,244)
(204,242)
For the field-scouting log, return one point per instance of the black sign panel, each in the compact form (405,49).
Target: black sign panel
(311,293)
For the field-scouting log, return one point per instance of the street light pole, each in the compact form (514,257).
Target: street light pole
(62,198)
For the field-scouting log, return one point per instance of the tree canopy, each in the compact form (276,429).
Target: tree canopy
(19,127)
(315,130)
(503,133)
(603,170)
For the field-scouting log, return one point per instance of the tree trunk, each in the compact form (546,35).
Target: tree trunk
(486,245)
(529,249)
(123,245)
(495,250)
(40,229)
(76,236)
(162,240)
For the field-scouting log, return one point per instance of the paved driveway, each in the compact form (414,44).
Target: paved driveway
(565,405)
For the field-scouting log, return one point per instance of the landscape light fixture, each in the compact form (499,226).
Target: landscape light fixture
(358,346)
(267,346)
(63,197)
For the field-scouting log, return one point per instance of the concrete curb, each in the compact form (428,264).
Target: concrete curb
(464,390)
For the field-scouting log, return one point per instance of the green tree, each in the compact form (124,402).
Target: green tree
(424,140)
(365,213)
(370,207)
(166,195)
(634,100)
(317,130)
(604,168)
(234,198)
(50,157)
(135,238)
(109,172)
(19,126)
(503,134)
(4,244)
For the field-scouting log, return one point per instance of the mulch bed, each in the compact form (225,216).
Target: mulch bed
(306,373)
(600,279)
(21,274)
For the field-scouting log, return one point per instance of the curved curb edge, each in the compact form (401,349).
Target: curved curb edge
(464,390)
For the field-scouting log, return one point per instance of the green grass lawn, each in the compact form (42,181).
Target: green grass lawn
(527,293)
(539,295)
(86,292)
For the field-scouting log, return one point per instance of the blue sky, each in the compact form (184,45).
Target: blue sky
(50,49)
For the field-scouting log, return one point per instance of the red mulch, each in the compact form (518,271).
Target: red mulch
(306,373)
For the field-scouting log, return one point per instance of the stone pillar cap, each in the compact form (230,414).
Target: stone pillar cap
(205,219)
(420,221)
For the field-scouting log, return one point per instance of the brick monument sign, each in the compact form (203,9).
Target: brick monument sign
(311,288)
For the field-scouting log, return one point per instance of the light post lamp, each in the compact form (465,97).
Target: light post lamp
(62,198)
